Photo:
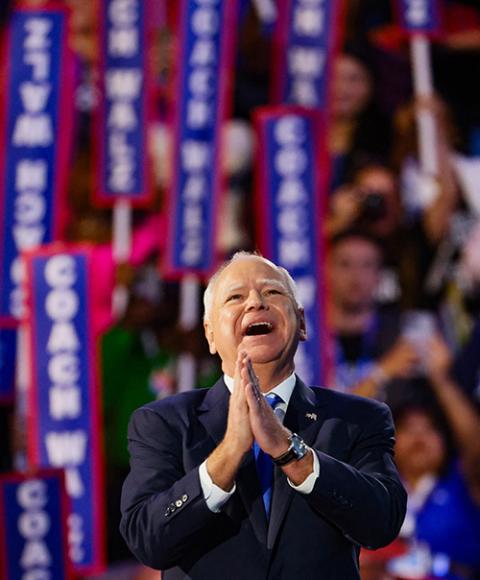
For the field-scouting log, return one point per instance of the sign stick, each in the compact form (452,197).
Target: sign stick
(186,366)
(121,249)
(423,88)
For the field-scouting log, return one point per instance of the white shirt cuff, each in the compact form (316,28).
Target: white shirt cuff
(215,496)
(307,485)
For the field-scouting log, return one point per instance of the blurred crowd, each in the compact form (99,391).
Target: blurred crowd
(402,265)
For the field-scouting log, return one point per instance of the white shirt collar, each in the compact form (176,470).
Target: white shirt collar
(284,390)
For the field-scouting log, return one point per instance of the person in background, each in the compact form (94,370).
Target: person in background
(438,455)
(370,201)
(357,129)
(370,354)
(441,209)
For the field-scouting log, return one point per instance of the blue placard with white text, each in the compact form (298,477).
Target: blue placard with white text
(306,37)
(204,65)
(289,191)
(419,16)
(35,134)
(63,427)
(33,515)
(121,154)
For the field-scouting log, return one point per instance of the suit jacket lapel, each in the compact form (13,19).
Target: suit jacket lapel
(304,417)
(213,411)
(213,414)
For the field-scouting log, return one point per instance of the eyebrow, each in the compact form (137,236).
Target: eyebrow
(262,282)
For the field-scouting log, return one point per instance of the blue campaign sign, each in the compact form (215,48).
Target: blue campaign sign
(33,530)
(203,67)
(290,213)
(63,430)
(122,156)
(306,37)
(420,16)
(8,348)
(35,134)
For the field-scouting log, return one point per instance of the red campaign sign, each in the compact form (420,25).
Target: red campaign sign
(64,407)
(120,132)
(34,510)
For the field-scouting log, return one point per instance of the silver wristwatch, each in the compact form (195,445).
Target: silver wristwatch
(298,449)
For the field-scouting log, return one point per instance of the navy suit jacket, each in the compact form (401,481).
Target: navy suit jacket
(357,500)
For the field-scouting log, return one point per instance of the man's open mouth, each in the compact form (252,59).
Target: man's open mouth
(258,328)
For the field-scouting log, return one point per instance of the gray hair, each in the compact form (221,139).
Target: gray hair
(209,290)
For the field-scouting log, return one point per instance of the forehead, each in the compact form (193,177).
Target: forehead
(377,178)
(248,271)
(355,248)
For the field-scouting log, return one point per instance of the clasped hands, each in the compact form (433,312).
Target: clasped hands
(250,417)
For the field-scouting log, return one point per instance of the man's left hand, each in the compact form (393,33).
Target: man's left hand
(269,433)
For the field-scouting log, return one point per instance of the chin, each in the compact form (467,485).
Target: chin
(263,356)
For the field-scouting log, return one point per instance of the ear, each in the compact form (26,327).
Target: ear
(302,325)
(209,336)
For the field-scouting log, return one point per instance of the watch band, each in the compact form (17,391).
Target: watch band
(297,450)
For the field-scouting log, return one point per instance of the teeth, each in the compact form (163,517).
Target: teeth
(259,328)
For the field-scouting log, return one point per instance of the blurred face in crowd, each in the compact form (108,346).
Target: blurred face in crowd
(420,447)
(354,268)
(382,182)
(252,305)
(352,87)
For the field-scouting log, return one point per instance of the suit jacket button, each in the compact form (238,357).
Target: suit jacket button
(179,503)
(184,497)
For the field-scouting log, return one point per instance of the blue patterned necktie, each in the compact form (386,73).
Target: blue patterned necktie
(264,462)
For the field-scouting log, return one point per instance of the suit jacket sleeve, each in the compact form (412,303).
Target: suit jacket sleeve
(161,500)
(363,496)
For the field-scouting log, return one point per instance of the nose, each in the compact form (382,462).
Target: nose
(255,301)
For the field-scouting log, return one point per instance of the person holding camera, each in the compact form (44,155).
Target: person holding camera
(370,352)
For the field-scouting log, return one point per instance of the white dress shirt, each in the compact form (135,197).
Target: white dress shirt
(215,496)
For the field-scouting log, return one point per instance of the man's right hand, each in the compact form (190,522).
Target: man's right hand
(223,463)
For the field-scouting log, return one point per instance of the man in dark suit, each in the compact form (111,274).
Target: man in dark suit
(200,502)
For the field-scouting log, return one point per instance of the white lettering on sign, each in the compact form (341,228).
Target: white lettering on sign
(63,345)
(197,152)
(76,537)
(307,56)
(123,42)
(37,575)
(33,128)
(33,526)
(290,164)
(123,90)
(308,21)
(416,12)
(66,447)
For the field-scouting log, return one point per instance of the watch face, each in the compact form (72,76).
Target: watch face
(298,445)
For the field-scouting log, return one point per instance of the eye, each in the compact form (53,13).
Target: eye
(233,297)
(272,291)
